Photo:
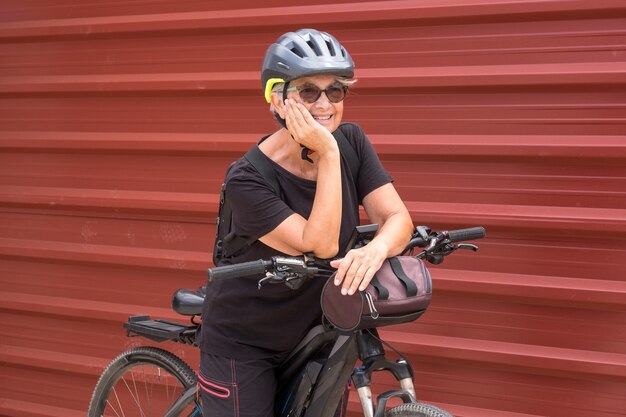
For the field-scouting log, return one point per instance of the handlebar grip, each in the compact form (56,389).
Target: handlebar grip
(244,269)
(471,233)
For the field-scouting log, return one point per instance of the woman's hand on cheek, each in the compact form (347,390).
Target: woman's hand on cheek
(304,129)
(295,122)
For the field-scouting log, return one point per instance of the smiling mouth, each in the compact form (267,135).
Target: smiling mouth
(322,118)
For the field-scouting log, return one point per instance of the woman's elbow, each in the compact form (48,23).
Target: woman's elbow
(326,251)
(322,245)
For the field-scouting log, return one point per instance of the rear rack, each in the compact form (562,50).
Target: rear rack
(161,330)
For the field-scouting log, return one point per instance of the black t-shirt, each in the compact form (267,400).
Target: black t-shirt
(239,320)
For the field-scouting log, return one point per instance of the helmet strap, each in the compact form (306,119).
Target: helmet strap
(280,120)
(305,151)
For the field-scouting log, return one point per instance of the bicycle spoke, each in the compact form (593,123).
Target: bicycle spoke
(118,402)
(134,393)
(143,382)
(141,398)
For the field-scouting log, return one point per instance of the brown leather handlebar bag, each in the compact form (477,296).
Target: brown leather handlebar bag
(400,292)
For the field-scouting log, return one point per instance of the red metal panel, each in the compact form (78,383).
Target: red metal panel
(118,120)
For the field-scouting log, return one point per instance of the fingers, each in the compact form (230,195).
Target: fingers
(356,271)
(297,121)
(304,129)
(301,112)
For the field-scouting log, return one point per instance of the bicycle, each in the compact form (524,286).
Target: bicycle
(149,381)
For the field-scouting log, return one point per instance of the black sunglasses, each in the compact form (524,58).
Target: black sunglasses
(310,93)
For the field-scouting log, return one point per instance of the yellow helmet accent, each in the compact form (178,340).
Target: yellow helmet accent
(269,85)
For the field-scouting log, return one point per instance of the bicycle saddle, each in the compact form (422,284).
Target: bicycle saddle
(188,302)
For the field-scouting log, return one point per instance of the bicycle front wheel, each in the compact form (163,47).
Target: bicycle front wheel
(143,382)
(417,410)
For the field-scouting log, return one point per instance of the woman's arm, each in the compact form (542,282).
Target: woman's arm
(384,207)
(319,234)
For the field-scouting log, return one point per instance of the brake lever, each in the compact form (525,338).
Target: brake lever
(294,282)
(436,241)
(423,232)
(438,248)
(467,246)
(270,279)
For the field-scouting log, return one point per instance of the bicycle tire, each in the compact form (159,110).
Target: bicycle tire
(416,410)
(143,381)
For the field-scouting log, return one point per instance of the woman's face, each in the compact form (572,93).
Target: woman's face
(325,112)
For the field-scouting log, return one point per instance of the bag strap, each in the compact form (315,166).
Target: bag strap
(348,152)
(396,267)
(223,217)
(260,162)
(383,292)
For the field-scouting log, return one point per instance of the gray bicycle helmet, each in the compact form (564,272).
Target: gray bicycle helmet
(302,53)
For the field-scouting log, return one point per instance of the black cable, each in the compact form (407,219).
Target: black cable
(387,344)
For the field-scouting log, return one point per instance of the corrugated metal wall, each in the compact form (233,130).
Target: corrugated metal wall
(118,119)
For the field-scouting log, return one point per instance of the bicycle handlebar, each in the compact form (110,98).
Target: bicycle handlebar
(471,233)
(244,269)
(291,269)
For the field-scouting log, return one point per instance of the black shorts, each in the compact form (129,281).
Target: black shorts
(241,388)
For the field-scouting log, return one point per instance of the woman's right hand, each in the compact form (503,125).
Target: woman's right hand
(319,233)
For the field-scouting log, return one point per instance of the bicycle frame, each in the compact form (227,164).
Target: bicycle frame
(182,402)
(320,393)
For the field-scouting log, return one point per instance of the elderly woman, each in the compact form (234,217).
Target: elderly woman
(247,332)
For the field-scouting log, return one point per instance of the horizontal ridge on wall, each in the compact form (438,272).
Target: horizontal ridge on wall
(585,293)
(560,360)
(236,144)
(86,309)
(216,82)
(374,11)
(104,254)
(205,207)
(126,201)
(588,293)
(11,407)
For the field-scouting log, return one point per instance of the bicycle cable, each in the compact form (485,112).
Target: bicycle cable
(397,352)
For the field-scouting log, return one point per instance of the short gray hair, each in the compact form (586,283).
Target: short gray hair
(278,89)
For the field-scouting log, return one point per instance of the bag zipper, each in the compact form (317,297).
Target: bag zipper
(370,302)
